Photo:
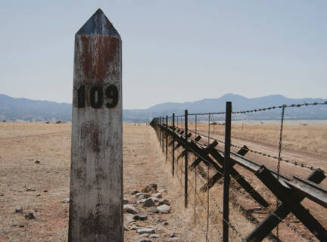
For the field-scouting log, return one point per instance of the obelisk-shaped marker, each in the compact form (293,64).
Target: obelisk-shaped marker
(95,212)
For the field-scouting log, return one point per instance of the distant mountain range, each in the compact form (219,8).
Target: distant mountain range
(15,109)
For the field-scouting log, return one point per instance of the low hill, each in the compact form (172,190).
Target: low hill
(13,109)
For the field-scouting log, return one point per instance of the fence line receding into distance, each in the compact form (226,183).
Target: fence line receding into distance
(181,136)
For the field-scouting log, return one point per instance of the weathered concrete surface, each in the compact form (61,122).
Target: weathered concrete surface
(95,212)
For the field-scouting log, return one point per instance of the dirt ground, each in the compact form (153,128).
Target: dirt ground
(41,188)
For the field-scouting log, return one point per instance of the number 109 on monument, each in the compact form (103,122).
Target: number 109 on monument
(97,96)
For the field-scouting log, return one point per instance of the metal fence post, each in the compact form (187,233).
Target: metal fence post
(186,159)
(228,127)
(173,148)
(159,130)
(162,135)
(166,137)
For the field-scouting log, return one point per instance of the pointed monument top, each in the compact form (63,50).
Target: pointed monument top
(98,24)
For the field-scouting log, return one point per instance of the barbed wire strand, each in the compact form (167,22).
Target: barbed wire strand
(297,105)
(280,107)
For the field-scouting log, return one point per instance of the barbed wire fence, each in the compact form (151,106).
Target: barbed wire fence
(205,136)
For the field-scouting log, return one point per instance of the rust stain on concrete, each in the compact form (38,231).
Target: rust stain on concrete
(96,66)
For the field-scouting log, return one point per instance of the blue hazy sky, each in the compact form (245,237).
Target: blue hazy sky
(173,50)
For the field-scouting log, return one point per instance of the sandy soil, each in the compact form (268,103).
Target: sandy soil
(41,188)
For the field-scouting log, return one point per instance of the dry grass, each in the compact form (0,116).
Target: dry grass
(37,188)
(22,144)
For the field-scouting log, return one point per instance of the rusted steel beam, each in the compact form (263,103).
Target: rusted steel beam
(291,202)
(179,139)
(238,178)
(96,185)
(197,138)
(199,152)
(193,147)
(246,163)
(212,181)
(206,151)
(310,190)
